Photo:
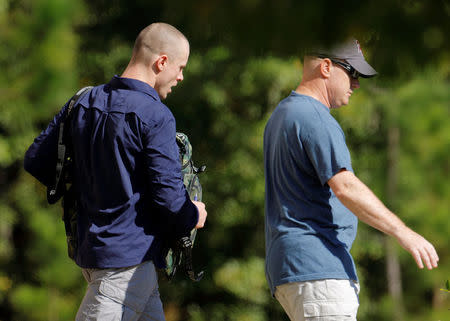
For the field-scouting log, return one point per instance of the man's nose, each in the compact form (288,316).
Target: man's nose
(355,83)
(180,76)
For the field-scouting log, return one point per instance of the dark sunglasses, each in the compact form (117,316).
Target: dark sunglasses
(349,69)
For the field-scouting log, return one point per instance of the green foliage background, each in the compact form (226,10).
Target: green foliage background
(245,57)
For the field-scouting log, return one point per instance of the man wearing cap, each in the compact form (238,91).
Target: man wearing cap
(313,199)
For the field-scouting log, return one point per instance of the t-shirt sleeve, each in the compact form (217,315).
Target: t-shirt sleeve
(325,146)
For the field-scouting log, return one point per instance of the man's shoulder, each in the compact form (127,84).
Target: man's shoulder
(140,101)
(304,116)
(303,105)
(148,109)
(153,112)
(301,110)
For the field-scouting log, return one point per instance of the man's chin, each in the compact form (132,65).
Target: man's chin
(164,94)
(167,93)
(339,105)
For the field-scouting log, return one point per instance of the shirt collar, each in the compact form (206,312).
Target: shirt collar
(294,93)
(134,84)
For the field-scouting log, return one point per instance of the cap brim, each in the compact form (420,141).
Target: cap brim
(361,66)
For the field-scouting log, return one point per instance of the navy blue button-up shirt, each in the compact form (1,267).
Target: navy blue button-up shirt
(127,174)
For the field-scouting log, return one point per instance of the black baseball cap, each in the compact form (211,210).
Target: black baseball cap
(351,52)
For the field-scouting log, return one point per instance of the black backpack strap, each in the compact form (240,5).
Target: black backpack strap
(55,191)
(186,245)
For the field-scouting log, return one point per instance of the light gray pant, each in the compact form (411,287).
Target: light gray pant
(124,294)
(320,300)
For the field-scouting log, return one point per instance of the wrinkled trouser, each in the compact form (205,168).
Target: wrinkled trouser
(320,300)
(123,294)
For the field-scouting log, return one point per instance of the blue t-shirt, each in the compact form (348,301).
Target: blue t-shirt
(308,231)
(130,194)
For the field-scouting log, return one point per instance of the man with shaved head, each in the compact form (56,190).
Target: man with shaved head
(313,198)
(129,190)
(168,43)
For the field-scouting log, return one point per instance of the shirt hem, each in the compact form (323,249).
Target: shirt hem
(310,277)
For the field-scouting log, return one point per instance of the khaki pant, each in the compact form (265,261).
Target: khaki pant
(125,294)
(320,300)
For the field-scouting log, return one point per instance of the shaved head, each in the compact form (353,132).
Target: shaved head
(160,54)
(158,39)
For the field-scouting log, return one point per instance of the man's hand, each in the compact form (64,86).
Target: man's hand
(421,250)
(201,214)
(359,199)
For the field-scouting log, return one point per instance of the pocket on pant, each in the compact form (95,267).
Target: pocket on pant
(327,309)
(126,298)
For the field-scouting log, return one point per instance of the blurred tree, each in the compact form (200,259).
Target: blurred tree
(400,33)
(38,63)
(411,115)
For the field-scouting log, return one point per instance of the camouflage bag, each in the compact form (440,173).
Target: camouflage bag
(180,253)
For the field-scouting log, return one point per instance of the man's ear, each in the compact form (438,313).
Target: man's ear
(161,62)
(325,67)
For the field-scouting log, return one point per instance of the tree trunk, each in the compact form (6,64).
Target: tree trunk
(394,276)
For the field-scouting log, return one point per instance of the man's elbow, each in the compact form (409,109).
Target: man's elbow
(342,192)
(341,183)
(37,171)
(28,164)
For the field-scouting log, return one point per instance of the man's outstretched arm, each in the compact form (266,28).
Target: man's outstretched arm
(359,199)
